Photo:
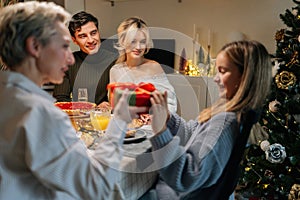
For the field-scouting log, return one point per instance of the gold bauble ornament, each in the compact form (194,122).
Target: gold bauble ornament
(285,79)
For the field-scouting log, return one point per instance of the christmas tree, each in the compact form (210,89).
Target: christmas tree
(271,165)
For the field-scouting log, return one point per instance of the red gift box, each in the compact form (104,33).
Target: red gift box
(139,94)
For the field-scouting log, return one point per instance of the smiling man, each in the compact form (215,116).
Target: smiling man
(92,63)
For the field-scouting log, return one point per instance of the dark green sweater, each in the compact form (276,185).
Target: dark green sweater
(88,71)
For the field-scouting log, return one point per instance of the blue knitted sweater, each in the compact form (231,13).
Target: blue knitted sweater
(200,171)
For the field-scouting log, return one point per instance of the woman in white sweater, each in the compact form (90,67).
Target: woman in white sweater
(133,42)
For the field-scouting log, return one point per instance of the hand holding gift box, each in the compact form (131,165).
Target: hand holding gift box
(139,94)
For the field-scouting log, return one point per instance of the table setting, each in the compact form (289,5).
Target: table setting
(90,123)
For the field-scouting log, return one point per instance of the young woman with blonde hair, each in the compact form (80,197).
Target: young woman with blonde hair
(199,159)
(133,43)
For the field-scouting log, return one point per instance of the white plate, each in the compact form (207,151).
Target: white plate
(146,128)
(140,134)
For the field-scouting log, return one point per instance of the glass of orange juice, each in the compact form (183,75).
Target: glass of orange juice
(100,119)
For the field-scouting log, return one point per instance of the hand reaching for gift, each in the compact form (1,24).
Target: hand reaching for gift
(159,111)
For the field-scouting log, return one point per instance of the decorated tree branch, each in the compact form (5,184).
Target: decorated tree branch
(271,165)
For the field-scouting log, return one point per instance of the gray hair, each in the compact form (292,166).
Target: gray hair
(22,20)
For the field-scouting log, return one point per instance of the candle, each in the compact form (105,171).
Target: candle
(197,37)
(208,39)
(194,32)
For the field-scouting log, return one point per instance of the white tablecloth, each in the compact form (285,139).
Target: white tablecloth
(135,178)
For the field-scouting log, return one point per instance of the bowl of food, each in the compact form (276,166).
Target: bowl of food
(76,111)
(74,108)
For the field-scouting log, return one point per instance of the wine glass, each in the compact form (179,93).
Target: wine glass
(100,119)
(82,94)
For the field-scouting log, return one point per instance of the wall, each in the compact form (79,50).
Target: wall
(226,19)
(59,2)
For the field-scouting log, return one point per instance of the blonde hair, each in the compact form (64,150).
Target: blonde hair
(126,33)
(22,20)
(254,63)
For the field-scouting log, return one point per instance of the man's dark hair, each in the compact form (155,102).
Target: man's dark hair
(80,19)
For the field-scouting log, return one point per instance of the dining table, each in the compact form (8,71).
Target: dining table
(137,174)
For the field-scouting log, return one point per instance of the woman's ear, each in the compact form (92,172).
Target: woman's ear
(33,46)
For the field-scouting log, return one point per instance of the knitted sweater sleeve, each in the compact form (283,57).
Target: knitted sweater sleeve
(201,165)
